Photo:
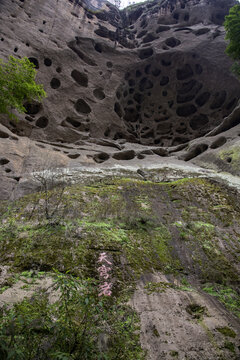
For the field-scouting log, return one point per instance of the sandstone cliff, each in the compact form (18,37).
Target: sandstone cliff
(153,74)
(135,153)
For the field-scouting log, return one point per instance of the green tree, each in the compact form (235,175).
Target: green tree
(232,27)
(17,85)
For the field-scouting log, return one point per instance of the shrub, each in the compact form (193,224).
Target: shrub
(17,85)
(232,25)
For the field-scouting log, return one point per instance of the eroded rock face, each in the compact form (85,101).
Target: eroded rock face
(117,81)
(155,73)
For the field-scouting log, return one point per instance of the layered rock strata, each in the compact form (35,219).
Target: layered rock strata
(154,74)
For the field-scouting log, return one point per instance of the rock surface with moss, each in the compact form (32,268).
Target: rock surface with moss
(133,157)
(174,247)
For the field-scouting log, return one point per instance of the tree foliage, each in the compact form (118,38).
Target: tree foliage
(79,325)
(232,27)
(17,85)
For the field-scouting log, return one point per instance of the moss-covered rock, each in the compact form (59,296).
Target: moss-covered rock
(186,229)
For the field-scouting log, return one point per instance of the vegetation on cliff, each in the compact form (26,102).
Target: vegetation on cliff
(17,85)
(232,25)
(143,227)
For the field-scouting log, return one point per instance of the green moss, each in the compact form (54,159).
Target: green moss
(226,295)
(4,288)
(158,287)
(140,225)
(151,250)
(202,239)
(184,235)
(233,153)
(198,225)
(230,346)
(162,286)
(179,224)
(130,225)
(226,331)
(160,244)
